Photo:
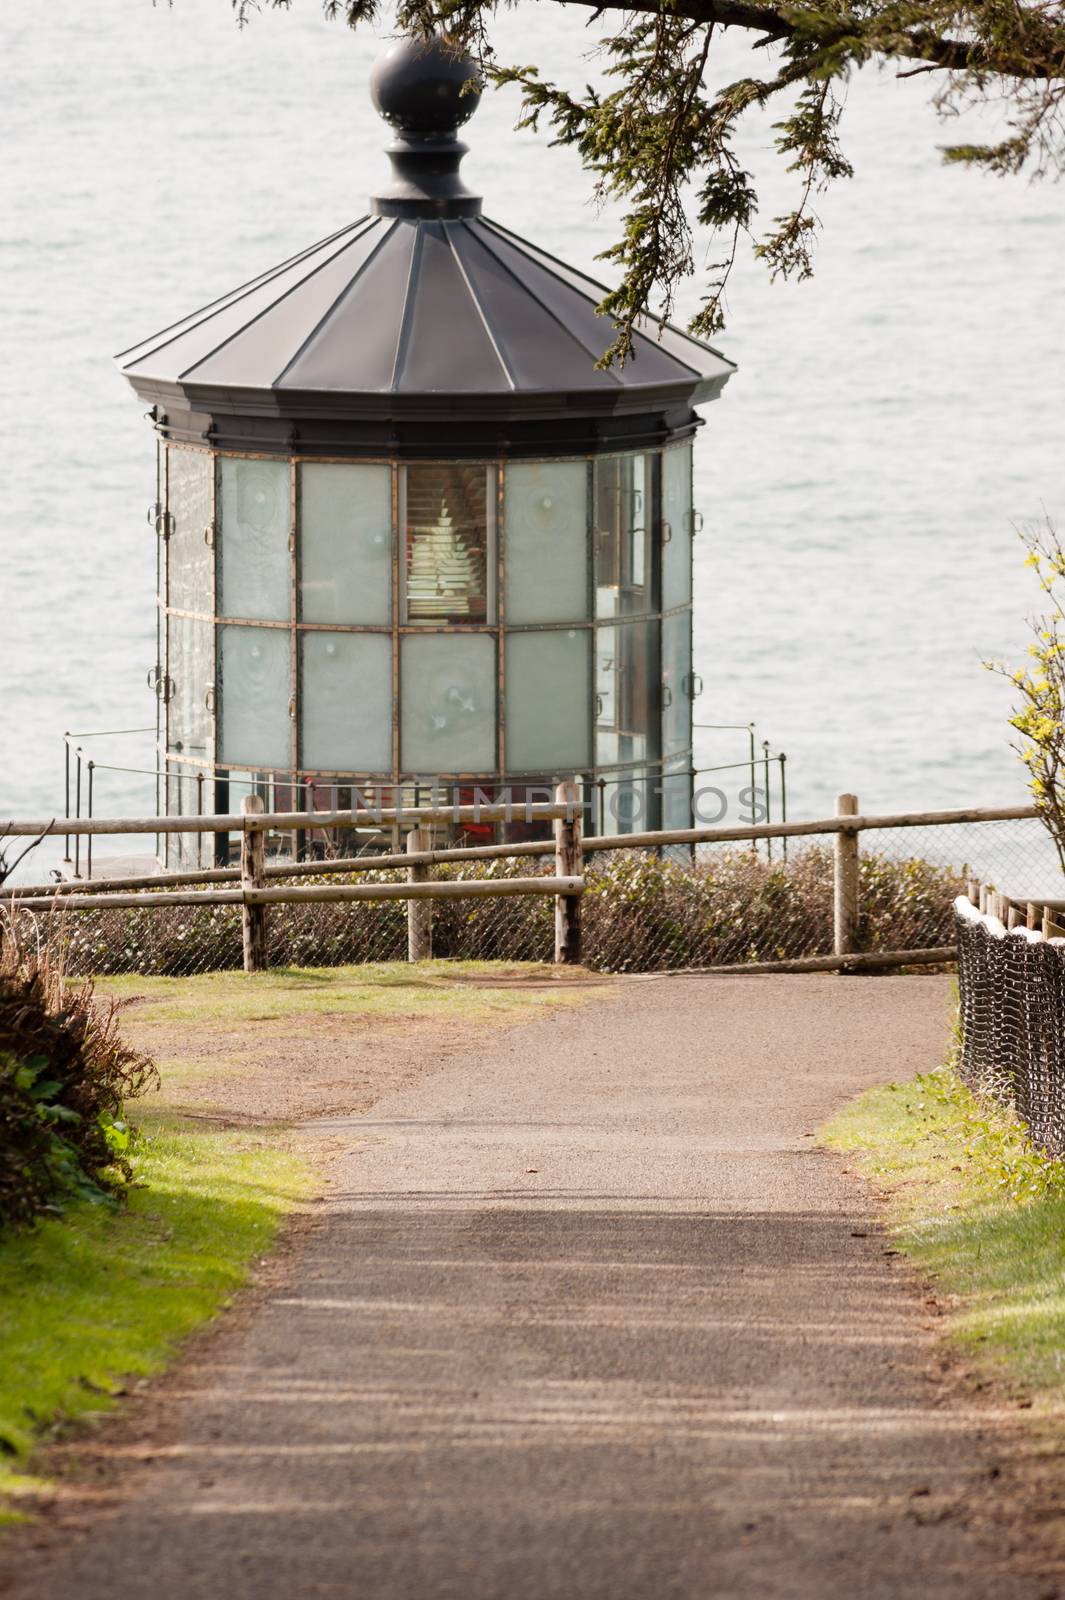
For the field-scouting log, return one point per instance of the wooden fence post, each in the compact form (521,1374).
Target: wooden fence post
(419,912)
(569,863)
(253,876)
(1033,916)
(845,898)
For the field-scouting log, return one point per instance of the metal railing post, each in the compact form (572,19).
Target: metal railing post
(77,810)
(846,881)
(66,763)
(88,843)
(692,849)
(569,863)
(253,876)
(419,912)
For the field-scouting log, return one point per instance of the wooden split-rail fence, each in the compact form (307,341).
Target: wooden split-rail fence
(255,893)
(258,884)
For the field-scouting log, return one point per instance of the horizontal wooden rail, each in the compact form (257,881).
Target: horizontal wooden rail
(797,830)
(422,858)
(105,902)
(461,889)
(284,821)
(282,869)
(319,821)
(102,887)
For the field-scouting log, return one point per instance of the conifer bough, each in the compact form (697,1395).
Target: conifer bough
(658,128)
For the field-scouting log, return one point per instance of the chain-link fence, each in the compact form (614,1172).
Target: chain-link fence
(1012,991)
(643,910)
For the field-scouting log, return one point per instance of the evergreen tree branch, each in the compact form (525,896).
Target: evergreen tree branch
(658,141)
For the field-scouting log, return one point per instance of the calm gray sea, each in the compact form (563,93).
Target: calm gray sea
(893,420)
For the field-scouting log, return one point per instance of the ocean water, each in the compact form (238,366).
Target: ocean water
(893,421)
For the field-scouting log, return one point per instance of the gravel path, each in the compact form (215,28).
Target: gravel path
(586,1316)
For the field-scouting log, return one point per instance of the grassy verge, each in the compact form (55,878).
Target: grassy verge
(433,990)
(99,1298)
(981,1211)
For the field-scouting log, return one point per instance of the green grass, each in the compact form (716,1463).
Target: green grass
(99,1298)
(385,989)
(981,1211)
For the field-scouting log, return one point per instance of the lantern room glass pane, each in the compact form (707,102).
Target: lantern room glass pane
(182,851)
(448,518)
(676,799)
(676,682)
(622,509)
(189,558)
(255,516)
(545,541)
(677,526)
(346,702)
(448,703)
(255,684)
(547,701)
(190,670)
(626,693)
(345,538)
(628,803)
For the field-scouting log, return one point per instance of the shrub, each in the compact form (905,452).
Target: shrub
(64,1074)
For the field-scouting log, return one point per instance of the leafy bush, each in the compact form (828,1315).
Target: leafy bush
(64,1074)
(734,906)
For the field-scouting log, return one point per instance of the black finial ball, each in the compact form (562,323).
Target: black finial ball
(417,86)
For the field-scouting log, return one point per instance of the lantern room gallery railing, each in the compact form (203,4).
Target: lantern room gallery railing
(764,769)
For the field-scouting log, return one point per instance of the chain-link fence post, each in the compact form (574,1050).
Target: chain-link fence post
(419,912)
(253,876)
(846,881)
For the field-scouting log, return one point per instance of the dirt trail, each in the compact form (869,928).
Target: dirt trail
(586,1316)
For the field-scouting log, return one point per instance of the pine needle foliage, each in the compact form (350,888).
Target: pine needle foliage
(659,132)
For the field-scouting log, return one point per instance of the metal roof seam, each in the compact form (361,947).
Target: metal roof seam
(407,314)
(221,345)
(516,239)
(479,308)
(577,340)
(324,318)
(195,319)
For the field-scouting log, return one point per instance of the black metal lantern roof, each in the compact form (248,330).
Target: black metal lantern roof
(422,325)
